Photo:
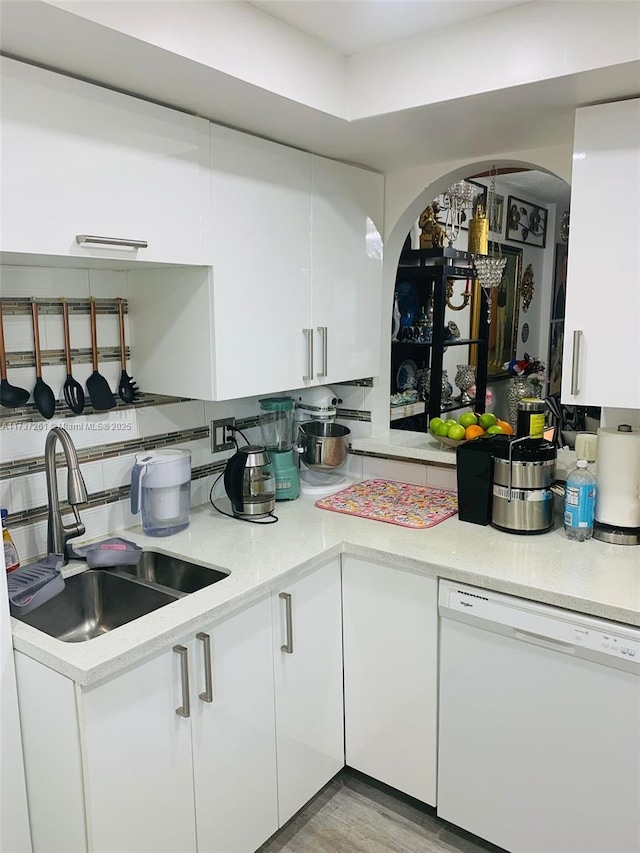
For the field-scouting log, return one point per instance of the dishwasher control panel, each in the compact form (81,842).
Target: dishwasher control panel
(540,624)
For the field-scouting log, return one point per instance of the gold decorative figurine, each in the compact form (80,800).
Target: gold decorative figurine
(432,236)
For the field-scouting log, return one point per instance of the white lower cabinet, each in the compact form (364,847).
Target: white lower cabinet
(152,780)
(208,746)
(390,628)
(308,686)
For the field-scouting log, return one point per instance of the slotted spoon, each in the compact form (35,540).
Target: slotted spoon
(127,388)
(73,393)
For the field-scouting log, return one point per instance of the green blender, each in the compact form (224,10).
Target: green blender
(278,436)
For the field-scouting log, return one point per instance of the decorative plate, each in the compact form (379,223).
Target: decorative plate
(407,375)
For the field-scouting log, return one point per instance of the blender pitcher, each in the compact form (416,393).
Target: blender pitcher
(161,491)
(278,429)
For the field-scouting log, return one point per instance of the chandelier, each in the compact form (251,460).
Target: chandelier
(456,199)
(490,268)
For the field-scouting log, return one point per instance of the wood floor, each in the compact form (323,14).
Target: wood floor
(352,814)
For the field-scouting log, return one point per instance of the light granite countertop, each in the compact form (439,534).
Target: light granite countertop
(589,577)
(422,447)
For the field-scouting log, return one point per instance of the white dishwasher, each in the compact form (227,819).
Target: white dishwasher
(539,725)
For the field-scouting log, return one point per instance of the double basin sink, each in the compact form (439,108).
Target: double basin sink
(98,600)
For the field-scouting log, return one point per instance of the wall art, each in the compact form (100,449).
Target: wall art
(526,222)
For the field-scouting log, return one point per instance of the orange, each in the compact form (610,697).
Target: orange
(473,432)
(507,429)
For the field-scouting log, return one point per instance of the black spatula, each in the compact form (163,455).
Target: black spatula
(97,386)
(43,396)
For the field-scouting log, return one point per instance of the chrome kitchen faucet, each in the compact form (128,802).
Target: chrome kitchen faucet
(58,534)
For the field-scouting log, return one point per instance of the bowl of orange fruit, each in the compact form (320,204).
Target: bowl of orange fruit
(469,426)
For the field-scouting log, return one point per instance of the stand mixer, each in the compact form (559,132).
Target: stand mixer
(322,442)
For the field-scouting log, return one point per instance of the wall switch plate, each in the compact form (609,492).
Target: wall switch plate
(221,436)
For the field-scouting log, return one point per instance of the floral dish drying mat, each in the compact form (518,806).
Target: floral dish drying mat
(394,502)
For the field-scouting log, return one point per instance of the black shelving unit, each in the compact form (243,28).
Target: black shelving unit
(429,269)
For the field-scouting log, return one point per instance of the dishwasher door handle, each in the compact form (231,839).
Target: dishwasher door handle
(544,642)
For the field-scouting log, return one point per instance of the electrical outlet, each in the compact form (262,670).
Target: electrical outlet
(221,435)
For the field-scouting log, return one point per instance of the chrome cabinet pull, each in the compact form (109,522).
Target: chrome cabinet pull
(575,362)
(322,331)
(185,709)
(308,336)
(207,696)
(111,241)
(288,646)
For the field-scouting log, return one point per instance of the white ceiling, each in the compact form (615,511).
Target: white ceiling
(352,26)
(139,48)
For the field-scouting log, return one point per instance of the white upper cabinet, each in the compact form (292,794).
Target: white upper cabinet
(261,264)
(602,326)
(294,293)
(347,269)
(79,159)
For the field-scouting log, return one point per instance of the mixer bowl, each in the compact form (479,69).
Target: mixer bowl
(324,444)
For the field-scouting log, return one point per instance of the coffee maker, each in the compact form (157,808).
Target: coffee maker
(505,480)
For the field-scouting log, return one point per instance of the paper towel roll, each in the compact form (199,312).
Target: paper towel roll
(618,477)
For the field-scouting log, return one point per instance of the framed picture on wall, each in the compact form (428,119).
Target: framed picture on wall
(505,303)
(556,344)
(559,281)
(526,222)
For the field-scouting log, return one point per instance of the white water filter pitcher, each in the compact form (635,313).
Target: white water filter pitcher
(161,491)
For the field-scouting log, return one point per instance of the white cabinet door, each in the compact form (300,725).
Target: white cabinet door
(139,772)
(81,159)
(347,269)
(308,684)
(390,627)
(262,254)
(234,750)
(603,299)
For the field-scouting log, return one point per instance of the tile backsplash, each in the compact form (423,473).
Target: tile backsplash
(106,441)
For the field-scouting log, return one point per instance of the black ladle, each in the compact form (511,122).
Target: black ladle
(10,395)
(73,393)
(43,396)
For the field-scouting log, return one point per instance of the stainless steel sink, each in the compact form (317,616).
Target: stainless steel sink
(94,602)
(172,572)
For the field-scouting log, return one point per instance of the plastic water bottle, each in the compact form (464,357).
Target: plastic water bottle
(579,502)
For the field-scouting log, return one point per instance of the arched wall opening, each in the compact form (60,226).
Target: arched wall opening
(403,206)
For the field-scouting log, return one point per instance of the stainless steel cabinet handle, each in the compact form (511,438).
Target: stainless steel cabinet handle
(575,362)
(207,696)
(185,709)
(288,646)
(308,336)
(322,331)
(111,241)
